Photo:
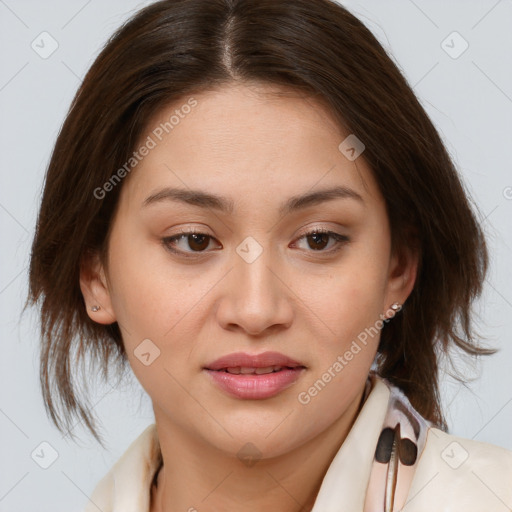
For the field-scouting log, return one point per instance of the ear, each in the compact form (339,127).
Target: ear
(95,289)
(403,269)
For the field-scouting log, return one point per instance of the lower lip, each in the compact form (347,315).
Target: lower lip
(255,387)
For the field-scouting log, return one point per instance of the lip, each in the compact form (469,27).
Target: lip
(254,386)
(252,361)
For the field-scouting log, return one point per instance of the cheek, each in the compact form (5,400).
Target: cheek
(344,356)
(351,297)
(157,309)
(347,311)
(149,296)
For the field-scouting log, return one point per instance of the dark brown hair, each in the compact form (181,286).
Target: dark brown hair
(175,48)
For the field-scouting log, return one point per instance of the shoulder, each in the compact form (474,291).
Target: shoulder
(126,487)
(454,474)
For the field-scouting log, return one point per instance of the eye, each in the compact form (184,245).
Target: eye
(318,239)
(188,242)
(191,243)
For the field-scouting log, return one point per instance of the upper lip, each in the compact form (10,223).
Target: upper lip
(263,360)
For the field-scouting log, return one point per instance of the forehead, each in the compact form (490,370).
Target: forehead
(247,140)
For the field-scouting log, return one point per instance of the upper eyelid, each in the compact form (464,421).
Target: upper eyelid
(193,231)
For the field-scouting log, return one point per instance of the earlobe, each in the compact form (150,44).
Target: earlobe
(403,270)
(95,290)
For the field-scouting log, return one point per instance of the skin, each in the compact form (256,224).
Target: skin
(257,149)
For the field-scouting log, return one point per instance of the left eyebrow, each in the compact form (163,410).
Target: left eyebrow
(226,205)
(313,198)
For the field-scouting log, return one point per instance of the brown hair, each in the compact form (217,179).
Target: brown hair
(175,48)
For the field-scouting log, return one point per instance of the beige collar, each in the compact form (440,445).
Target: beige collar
(344,484)
(127,486)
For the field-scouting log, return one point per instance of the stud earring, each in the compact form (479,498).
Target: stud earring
(95,308)
(396,306)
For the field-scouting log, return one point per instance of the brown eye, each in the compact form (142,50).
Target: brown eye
(198,242)
(318,241)
(187,243)
(323,241)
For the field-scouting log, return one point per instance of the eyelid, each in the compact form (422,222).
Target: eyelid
(340,239)
(316,229)
(183,233)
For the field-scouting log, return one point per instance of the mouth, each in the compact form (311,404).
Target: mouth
(241,370)
(254,377)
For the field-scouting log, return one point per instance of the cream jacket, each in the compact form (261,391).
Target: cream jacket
(453,474)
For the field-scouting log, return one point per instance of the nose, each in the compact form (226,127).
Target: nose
(255,299)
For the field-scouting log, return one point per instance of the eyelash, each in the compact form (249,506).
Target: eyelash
(340,240)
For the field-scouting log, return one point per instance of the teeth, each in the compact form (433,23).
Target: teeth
(268,369)
(244,370)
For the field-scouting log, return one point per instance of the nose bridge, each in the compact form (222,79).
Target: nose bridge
(255,298)
(255,279)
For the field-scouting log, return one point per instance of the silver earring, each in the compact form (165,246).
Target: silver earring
(396,306)
(95,308)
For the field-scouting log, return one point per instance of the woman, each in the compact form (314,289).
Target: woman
(248,205)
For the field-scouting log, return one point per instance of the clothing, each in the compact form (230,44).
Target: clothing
(436,471)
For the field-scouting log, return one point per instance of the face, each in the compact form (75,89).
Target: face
(245,242)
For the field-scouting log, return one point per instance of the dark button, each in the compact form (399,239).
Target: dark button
(385,445)
(407,451)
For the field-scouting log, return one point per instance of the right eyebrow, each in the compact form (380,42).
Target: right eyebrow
(192,197)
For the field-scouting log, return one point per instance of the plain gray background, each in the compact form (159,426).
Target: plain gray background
(468,95)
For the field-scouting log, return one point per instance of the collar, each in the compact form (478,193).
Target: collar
(344,485)
(127,486)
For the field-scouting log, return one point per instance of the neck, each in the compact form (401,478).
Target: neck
(196,476)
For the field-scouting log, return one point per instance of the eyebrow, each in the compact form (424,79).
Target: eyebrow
(226,205)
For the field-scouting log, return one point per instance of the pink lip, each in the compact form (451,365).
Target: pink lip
(252,386)
(252,361)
